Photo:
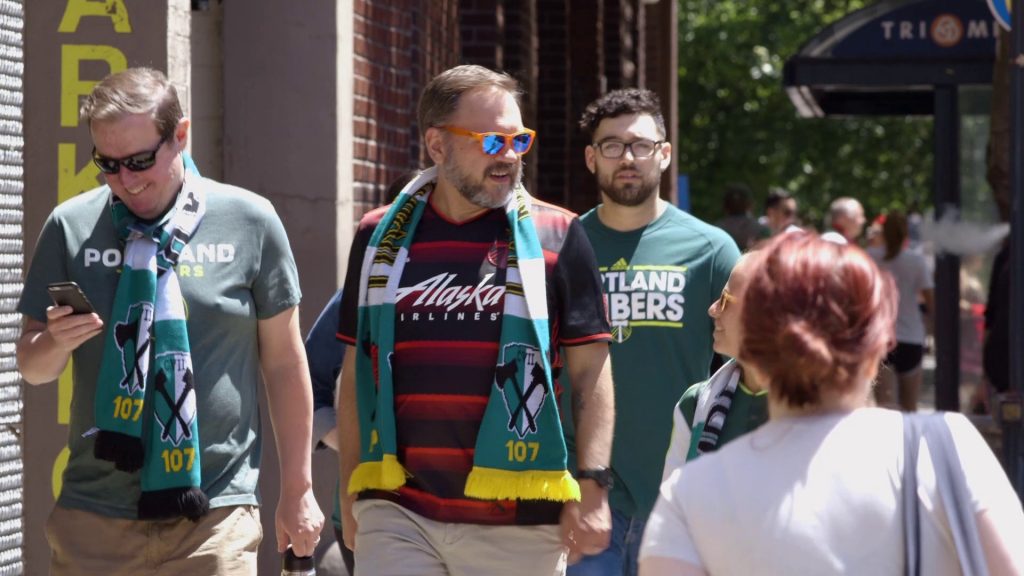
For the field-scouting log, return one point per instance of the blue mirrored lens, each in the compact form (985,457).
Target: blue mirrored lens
(521,143)
(493,143)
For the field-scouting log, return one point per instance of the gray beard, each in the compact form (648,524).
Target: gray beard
(477,193)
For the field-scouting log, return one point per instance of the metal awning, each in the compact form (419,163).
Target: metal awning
(888,58)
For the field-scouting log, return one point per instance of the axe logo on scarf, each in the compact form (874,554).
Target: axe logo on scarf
(133,341)
(180,237)
(174,388)
(520,378)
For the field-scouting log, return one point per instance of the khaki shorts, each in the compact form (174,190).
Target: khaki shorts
(224,542)
(392,541)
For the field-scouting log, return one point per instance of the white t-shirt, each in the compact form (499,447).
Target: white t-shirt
(819,495)
(910,271)
(833,236)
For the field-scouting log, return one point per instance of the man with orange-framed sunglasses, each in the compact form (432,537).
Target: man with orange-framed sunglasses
(464,300)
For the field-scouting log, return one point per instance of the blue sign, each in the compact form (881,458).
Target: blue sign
(683,192)
(925,28)
(1001,10)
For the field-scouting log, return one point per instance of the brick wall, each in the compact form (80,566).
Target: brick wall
(482,30)
(551,152)
(398,46)
(520,60)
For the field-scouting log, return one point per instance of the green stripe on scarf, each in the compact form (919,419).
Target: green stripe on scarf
(145,404)
(520,449)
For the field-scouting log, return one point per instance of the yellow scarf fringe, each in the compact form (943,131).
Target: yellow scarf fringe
(387,474)
(495,484)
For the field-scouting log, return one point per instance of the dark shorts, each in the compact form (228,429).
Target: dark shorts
(905,357)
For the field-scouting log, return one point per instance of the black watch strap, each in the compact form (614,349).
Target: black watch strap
(602,476)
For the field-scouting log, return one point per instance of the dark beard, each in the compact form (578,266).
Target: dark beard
(630,195)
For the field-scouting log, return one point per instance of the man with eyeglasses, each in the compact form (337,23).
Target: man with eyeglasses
(195,293)
(464,299)
(662,268)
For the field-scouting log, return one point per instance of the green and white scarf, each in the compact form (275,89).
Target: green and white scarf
(713,407)
(146,388)
(520,450)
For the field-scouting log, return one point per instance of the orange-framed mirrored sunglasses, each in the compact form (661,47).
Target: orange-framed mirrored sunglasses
(494,143)
(724,300)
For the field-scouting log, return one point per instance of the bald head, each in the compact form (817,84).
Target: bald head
(846,216)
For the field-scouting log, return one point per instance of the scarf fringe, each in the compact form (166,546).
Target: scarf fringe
(387,474)
(123,450)
(189,502)
(495,484)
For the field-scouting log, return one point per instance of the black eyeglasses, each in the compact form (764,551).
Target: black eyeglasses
(614,149)
(136,162)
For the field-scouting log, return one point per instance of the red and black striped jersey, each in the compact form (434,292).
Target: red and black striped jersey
(447,328)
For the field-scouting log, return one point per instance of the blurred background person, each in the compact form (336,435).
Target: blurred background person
(996,346)
(779,211)
(902,374)
(873,237)
(823,477)
(738,221)
(846,220)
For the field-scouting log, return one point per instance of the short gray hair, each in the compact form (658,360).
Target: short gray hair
(440,97)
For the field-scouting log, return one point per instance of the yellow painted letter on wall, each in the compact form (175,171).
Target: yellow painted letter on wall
(70,180)
(71,87)
(78,9)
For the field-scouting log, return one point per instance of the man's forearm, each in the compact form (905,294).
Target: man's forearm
(348,423)
(39,358)
(593,405)
(291,413)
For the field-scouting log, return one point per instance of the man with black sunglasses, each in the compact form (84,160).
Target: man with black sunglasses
(459,297)
(201,298)
(662,269)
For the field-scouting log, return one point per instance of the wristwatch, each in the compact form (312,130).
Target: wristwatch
(602,476)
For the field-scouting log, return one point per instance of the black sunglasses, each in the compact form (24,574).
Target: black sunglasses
(136,162)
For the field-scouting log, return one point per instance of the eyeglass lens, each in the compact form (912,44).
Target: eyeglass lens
(639,149)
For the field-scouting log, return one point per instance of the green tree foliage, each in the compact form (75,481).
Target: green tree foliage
(737,124)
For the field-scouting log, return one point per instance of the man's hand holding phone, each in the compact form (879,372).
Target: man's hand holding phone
(72,320)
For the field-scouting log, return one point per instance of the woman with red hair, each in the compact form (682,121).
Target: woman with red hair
(817,489)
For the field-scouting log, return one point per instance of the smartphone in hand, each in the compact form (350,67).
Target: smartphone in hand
(70,294)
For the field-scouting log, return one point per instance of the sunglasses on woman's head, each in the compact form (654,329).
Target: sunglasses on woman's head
(494,143)
(137,162)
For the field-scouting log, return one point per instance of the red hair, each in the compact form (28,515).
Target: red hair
(826,313)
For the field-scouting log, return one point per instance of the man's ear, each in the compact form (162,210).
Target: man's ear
(434,141)
(181,134)
(590,156)
(666,156)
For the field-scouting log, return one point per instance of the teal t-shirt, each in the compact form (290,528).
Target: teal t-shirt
(238,268)
(659,282)
(747,411)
